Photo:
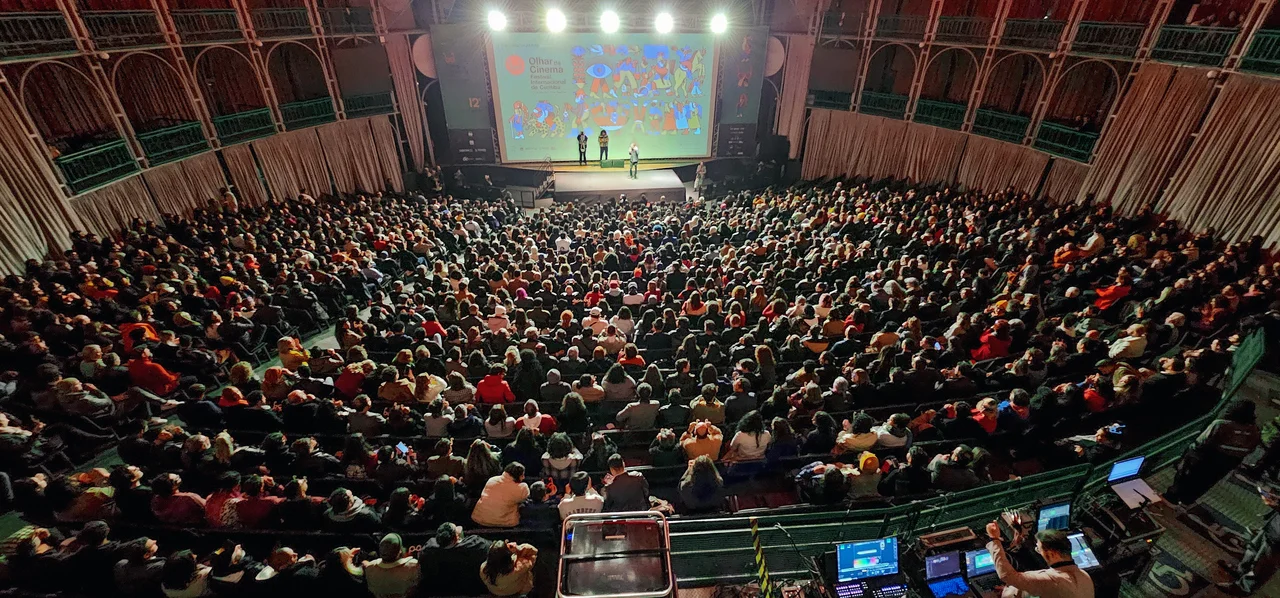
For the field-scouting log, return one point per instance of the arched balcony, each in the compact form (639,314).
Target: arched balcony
(888,81)
(1078,104)
(154,98)
(1009,98)
(364,76)
(233,91)
(299,81)
(948,82)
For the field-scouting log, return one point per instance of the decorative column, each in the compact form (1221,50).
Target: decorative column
(922,61)
(864,56)
(988,64)
(1057,61)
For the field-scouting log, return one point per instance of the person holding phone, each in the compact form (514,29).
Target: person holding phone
(1261,557)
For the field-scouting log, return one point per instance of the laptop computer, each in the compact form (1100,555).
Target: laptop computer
(1126,482)
(868,569)
(980,569)
(1054,515)
(1081,554)
(942,576)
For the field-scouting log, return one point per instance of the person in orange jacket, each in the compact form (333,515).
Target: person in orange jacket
(493,389)
(152,376)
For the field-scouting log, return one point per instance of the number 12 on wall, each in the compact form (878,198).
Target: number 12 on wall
(473,102)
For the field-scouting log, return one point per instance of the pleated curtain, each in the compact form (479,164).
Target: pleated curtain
(405,78)
(35,218)
(293,162)
(992,165)
(795,90)
(1156,118)
(384,139)
(842,143)
(1230,178)
(110,209)
(1064,181)
(932,154)
(244,175)
(352,155)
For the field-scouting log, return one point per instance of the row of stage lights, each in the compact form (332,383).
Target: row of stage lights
(609,21)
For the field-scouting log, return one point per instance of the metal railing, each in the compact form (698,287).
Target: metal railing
(173,143)
(1189,44)
(244,126)
(307,113)
(1032,34)
(1065,141)
(116,29)
(1263,55)
(347,21)
(938,113)
(196,26)
(281,22)
(968,31)
(368,104)
(1115,40)
(1000,125)
(97,166)
(835,100)
(892,105)
(910,27)
(27,35)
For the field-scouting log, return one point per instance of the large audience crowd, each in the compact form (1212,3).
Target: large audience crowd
(500,369)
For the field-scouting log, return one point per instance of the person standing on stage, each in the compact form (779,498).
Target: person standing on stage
(604,145)
(582,148)
(700,177)
(635,158)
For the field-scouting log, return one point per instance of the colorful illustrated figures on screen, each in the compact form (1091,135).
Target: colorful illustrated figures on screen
(642,89)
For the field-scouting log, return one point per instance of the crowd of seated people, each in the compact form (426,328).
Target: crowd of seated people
(497,369)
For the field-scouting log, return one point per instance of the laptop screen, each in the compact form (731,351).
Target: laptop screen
(979,562)
(1126,469)
(1081,553)
(862,560)
(942,565)
(1055,516)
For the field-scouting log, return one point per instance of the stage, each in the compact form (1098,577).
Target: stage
(602,185)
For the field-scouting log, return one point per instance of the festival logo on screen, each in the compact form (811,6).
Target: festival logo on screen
(641,89)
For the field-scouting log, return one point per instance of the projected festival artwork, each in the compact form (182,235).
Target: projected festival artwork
(655,91)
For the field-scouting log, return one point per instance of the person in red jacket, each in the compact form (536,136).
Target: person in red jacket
(535,420)
(153,377)
(1110,295)
(995,342)
(493,389)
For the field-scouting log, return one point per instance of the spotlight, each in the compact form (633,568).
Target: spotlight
(556,20)
(497,20)
(719,23)
(609,21)
(664,23)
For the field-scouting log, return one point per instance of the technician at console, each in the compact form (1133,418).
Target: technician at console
(1063,579)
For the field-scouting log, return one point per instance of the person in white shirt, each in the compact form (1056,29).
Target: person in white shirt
(595,321)
(563,244)
(751,439)
(633,296)
(499,504)
(1130,346)
(894,433)
(394,574)
(1063,579)
(580,497)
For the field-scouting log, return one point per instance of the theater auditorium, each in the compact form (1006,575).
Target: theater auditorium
(639,298)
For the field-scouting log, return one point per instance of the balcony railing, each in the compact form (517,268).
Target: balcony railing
(1264,53)
(173,143)
(1187,44)
(307,113)
(948,115)
(117,29)
(243,126)
(1000,125)
(835,100)
(347,21)
(901,26)
(836,23)
(368,104)
(968,31)
(1032,34)
(97,166)
(281,22)
(892,105)
(1065,141)
(34,34)
(1114,40)
(195,26)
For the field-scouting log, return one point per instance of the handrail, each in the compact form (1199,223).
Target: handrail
(173,143)
(1001,125)
(892,105)
(307,113)
(34,34)
(368,104)
(97,166)
(1189,44)
(244,126)
(1098,38)
(1061,140)
(963,30)
(1263,55)
(940,113)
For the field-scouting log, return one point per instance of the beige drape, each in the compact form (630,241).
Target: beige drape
(1155,119)
(842,143)
(244,175)
(1064,180)
(1230,178)
(993,165)
(932,154)
(35,218)
(205,175)
(293,162)
(795,90)
(108,210)
(405,78)
(352,155)
(181,187)
(384,139)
